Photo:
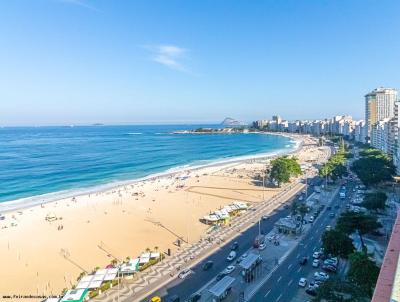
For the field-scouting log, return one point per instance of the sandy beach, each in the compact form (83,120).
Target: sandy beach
(41,257)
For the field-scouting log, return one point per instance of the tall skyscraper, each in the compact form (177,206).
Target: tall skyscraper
(379,105)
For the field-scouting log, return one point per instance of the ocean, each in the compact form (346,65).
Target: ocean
(42,163)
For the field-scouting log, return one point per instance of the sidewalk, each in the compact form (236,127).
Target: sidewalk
(162,273)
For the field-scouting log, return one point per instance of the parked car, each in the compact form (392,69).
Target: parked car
(331,215)
(231,256)
(235,246)
(303,282)
(183,274)
(321,276)
(265,217)
(303,261)
(329,268)
(311,291)
(331,261)
(328,228)
(315,263)
(208,265)
(316,255)
(311,219)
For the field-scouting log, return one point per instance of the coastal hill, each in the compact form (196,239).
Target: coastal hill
(232,122)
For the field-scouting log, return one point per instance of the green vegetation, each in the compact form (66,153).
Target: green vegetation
(375,201)
(335,167)
(373,167)
(337,243)
(283,168)
(363,272)
(350,222)
(299,208)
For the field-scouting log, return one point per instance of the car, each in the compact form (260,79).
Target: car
(329,208)
(329,268)
(220,276)
(286,206)
(183,274)
(301,198)
(303,261)
(231,256)
(262,246)
(328,228)
(265,217)
(331,215)
(331,261)
(229,269)
(303,282)
(174,298)
(311,291)
(337,207)
(155,299)
(311,219)
(315,263)
(208,265)
(316,255)
(194,298)
(321,276)
(234,246)
(242,257)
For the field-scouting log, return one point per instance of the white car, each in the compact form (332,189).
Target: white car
(311,219)
(315,263)
(328,228)
(231,256)
(183,274)
(229,269)
(316,255)
(303,282)
(321,276)
(262,246)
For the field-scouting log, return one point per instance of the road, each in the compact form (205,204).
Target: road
(191,284)
(290,271)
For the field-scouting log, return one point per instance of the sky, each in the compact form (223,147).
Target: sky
(190,61)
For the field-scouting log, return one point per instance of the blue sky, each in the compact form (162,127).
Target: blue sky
(86,61)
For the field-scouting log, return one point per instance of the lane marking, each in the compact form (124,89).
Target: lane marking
(279,279)
(299,270)
(289,266)
(267,294)
(290,282)
(280,296)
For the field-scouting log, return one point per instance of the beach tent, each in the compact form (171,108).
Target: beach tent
(130,267)
(74,295)
(154,255)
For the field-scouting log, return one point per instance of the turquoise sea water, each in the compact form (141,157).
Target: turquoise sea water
(43,160)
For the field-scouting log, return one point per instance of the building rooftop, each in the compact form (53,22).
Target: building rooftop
(388,285)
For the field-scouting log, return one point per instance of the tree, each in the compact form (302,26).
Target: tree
(283,168)
(375,201)
(337,243)
(373,167)
(363,272)
(350,222)
(337,290)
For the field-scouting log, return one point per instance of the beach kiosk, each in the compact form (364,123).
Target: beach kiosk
(75,295)
(221,289)
(249,265)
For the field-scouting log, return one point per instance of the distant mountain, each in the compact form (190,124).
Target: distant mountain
(232,122)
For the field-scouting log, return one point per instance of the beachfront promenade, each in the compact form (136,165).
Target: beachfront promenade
(164,272)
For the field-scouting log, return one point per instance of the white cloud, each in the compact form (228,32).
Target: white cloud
(81,3)
(170,56)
